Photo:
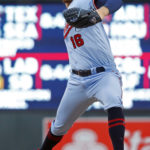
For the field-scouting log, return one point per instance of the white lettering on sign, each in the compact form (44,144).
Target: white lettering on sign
(129,13)
(19,29)
(60,72)
(125,47)
(28,65)
(21,13)
(135,139)
(23,81)
(9,47)
(128,30)
(125,31)
(17,99)
(132,95)
(50,22)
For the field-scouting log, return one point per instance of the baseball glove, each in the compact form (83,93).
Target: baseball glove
(81,18)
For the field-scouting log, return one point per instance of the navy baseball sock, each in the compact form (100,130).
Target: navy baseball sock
(50,141)
(116,127)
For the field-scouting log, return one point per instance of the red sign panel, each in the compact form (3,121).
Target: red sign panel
(92,134)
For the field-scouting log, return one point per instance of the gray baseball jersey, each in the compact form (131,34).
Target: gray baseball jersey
(88,47)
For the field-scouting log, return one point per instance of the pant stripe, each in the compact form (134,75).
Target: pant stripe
(114,120)
(116,124)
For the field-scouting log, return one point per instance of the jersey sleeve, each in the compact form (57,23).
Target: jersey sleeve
(112,5)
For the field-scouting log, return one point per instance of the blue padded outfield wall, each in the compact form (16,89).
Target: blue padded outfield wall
(34,63)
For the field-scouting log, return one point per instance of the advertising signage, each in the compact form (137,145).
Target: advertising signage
(34,65)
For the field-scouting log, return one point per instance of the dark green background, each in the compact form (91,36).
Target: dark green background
(22,130)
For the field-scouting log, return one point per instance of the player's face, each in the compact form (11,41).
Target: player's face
(67,2)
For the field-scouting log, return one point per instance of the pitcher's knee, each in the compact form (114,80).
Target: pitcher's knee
(59,129)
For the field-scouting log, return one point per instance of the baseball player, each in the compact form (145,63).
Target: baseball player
(94,76)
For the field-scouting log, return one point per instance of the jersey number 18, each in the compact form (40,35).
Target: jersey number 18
(77,41)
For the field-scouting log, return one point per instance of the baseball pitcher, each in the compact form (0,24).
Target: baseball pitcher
(94,76)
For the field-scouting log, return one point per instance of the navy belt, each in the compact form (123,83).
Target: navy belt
(84,73)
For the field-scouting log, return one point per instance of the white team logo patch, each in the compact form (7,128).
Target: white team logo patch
(93,20)
(84,139)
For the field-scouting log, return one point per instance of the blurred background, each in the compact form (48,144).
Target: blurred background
(34,71)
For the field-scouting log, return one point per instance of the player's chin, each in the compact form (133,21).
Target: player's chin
(66,1)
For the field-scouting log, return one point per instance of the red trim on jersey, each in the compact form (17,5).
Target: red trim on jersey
(95,4)
(116,124)
(68,32)
(66,27)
